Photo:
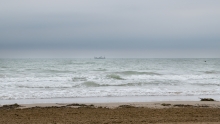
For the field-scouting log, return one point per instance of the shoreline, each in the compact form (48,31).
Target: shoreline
(153,105)
(126,99)
(115,105)
(163,112)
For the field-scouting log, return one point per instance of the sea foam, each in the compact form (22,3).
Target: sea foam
(74,78)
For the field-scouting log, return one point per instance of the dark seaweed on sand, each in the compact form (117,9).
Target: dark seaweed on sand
(126,106)
(182,105)
(13,106)
(81,105)
(207,99)
(165,104)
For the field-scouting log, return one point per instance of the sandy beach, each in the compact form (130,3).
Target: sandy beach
(164,112)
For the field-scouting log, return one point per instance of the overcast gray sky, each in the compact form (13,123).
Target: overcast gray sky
(114,28)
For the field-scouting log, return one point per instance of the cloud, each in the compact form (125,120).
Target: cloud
(110,26)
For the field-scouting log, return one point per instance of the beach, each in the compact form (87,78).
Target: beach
(164,112)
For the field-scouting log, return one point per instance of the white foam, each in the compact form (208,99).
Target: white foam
(36,79)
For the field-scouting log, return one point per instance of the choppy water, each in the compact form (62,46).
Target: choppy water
(70,78)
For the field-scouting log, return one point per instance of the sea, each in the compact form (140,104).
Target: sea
(32,80)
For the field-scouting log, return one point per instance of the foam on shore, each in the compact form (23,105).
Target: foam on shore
(128,99)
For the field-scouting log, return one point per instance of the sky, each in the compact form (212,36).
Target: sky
(111,28)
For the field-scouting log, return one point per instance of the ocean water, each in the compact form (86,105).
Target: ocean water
(83,78)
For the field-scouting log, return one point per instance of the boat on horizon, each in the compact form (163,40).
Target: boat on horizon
(101,57)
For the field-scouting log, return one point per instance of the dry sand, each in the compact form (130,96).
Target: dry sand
(107,113)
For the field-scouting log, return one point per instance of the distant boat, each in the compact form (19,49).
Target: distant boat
(101,57)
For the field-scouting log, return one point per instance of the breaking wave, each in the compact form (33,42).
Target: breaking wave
(100,69)
(114,76)
(90,84)
(137,73)
(52,78)
(212,72)
(206,84)
(95,84)
(79,79)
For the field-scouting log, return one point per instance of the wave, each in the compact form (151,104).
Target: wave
(206,84)
(153,83)
(90,84)
(2,76)
(5,67)
(57,71)
(43,87)
(82,63)
(90,63)
(77,63)
(212,72)
(79,79)
(137,73)
(95,84)
(114,76)
(100,69)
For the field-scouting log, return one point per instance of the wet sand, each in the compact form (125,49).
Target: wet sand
(107,113)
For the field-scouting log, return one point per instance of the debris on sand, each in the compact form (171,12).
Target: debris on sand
(165,104)
(126,106)
(207,99)
(13,106)
(182,105)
